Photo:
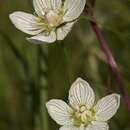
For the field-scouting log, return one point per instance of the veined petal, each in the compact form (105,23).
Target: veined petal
(81,94)
(107,107)
(42,6)
(96,125)
(73,9)
(56,4)
(42,37)
(59,111)
(71,127)
(25,22)
(64,30)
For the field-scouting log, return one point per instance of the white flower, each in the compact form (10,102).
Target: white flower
(82,113)
(53,20)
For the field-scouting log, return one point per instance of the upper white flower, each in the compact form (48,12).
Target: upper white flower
(53,19)
(82,113)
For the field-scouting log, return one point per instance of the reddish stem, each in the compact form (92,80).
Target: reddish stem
(110,59)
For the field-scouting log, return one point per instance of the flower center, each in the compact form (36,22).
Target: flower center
(83,116)
(51,19)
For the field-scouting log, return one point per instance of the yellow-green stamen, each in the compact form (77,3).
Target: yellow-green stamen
(82,115)
(51,20)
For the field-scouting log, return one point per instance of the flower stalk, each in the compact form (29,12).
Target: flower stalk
(109,56)
(43,86)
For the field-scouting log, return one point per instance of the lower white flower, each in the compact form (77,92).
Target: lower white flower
(82,113)
(53,20)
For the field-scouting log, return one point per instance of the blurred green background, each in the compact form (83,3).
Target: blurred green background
(32,74)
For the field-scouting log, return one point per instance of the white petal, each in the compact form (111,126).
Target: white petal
(39,39)
(81,94)
(71,127)
(107,107)
(42,6)
(64,30)
(25,22)
(95,125)
(56,4)
(73,9)
(59,111)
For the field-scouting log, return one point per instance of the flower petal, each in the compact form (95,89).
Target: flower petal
(71,127)
(73,9)
(96,125)
(56,4)
(42,37)
(59,111)
(25,22)
(107,107)
(81,94)
(42,6)
(64,30)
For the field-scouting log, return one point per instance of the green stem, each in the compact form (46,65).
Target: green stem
(43,91)
(67,61)
(44,113)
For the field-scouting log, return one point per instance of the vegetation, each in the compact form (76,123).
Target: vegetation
(32,74)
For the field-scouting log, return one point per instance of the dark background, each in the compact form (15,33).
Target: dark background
(32,74)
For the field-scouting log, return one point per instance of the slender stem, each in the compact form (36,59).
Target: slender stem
(110,59)
(43,91)
(66,60)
